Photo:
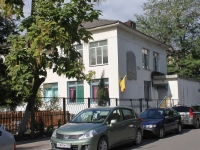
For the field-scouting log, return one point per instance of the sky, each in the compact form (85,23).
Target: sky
(122,10)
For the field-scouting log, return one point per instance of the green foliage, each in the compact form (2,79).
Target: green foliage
(102,93)
(175,23)
(52,25)
(52,105)
(9,98)
(52,29)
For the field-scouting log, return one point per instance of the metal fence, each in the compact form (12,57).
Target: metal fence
(138,105)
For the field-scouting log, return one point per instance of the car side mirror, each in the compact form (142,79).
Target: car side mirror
(113,121)
(166,117)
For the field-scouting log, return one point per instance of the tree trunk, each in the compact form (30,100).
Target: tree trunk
(30,106)
(27,113)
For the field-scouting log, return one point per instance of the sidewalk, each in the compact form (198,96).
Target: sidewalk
(37,144)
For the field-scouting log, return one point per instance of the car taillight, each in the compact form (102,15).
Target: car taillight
(140,119)
(14,146)
(191,113)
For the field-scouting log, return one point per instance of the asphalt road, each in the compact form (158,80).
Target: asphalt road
(189,139)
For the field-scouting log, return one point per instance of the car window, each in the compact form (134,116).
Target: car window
(168,113)
(196,108)
(128,114)
(91,116)
(116,114)
(152,114)
(174,113)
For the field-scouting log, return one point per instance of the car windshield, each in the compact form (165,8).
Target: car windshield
(91,116)
(152,114)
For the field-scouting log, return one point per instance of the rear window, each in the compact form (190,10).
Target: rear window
(196,108)
(182,109)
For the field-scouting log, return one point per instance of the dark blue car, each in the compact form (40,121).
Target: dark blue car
(158,121)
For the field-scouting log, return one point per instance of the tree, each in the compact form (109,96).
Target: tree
(9,98)
(102,93)
(176,23)
(53,27)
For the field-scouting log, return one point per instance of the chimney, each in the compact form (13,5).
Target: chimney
(131,24)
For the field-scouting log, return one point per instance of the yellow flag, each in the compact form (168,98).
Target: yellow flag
(123,84)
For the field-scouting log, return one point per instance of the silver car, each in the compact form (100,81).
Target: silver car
(99,128)
(7,140)
(190,115)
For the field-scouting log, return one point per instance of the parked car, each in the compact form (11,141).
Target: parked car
(99,128)
(190,115)
(158,121)
(7,140)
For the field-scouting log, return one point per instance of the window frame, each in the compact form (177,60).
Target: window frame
(147,84)
(93,50)
(74,84)
(155,61)
(53,85)
(145,58)
(80,60)
(95,83)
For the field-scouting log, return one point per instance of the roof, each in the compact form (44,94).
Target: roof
(98,23)
(105,22)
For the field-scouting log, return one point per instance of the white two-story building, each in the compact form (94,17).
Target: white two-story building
(118,49)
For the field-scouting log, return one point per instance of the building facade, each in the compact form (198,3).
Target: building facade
(118,49)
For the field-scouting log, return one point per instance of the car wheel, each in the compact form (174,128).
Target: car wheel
(161,133)
(196,126)
(179,128)
(138,138)
(103,144)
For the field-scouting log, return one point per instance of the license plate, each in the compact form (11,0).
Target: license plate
(62,145)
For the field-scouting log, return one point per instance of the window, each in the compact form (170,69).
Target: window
(145,58)
(76,92)
(79,48)
(147,90)
(50,90)
(174,113)
(94,88)
(155,62)
(98,53)
(116,114)
(128,114)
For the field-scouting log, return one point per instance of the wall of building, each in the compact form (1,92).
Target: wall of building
(128,41)
(119,42)
(188,91)
(173,90)
(111,69)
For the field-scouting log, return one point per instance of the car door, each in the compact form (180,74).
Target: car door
(116,130)
(174,119)
(130,123)
(168,122)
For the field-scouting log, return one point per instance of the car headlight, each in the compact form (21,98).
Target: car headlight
(89,134)
(151,126)
(54,133)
